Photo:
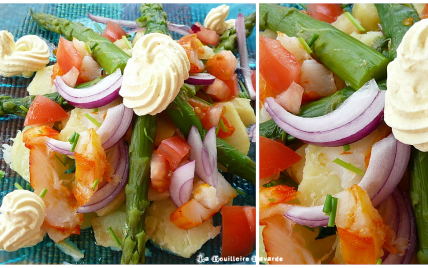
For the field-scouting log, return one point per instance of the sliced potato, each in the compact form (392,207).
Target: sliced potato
(367,15)
(245,111)
(42,82)
(113,205)
(239,139)
(367,38)
(17,156)
(345,25)
(116,221)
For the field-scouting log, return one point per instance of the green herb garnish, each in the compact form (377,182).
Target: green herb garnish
(23,108)
(271,199)
(204,101)
(208,97)
(222,125)
(98,27)
(64,163)
(346,147)
(95,110)
(126,41)
(379,261)
(95,184)
(348,166)
(305,45)
(1,174)
(147,136)
(94,45)
(88,48)
(18,186)
(95,122)
(43,192)
(74,143)
(113,234)
(240,191)
(327,204)
(313,39)
(332,217)
(355,22)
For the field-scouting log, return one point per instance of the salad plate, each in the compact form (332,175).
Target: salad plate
(21,24)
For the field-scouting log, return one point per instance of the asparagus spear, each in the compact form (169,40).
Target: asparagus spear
(140,153)
(347,57)
(9,105)
(228,38)
(396,19)
(108,55)
(184,117)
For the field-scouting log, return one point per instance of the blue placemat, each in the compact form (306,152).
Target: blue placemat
(16,19)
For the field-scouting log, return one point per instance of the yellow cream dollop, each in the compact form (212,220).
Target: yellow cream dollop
(29,54)
(154,74)
(406,100)
(22,215)
(216,19)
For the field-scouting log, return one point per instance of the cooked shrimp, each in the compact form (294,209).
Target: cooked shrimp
(276,194)
(61,219)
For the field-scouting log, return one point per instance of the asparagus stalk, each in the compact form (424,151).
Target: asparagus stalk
(140,153)
(108,55)
(347,57)
(184,117)
(418,188)
(15,106)
(228,38)
(396,20)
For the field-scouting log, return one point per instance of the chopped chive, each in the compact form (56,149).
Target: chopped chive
(28,187)
(63,163)
(18,186)
(379,261)
(98,27)
(61,101)
(43,192)
(1,174)
(208,97)
(23,108)
(72,137)
(305,45)
(346,147)
(271,199)
(88,48)
(93,46)
(147,136)
(73,146)
(327,205)
(126,41)
(244,93)
(309,228)
(303,6)
(332,217)
(95,110)
(95,122)
(71,169)
(40,131)
(355,22)
(204,101)
(95,184)
(284,136)
(313,39)
(222,125)
(348,166)
(240,191)
(112,233)
(217,129)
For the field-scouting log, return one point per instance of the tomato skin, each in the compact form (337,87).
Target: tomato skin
(278,66)
(222,65)
(265,91)
(175,150)
(325,12)
(160,174)
(43,111)
(219,91)
(238,230)
(191,45)
(113,31)
(233,85)
(67,56)
(275,157)
(207,36)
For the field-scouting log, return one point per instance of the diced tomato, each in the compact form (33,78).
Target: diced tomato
(275,157)
(56,72)
(222,65)
(160,174)
(291,99)
(265,91)
(175,150)
(67,56)
(219,91)
(238,231)
(191,45)
(425,12)
(207,36)
(226,129)
(278,66)
(113,31)
(233,85)
(43,111)
(325,12)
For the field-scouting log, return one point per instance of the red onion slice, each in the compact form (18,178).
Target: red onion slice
(388,162)
(103,196)
(400,214)
(243,55)
(357,117)
(114,127)
(178,28)
(200,79)
(100,94)
(205,155)
(181,186)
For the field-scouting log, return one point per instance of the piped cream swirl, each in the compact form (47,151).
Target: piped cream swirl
(29,54)
(216,19)
(406,100)
(22,215)
(154,75)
